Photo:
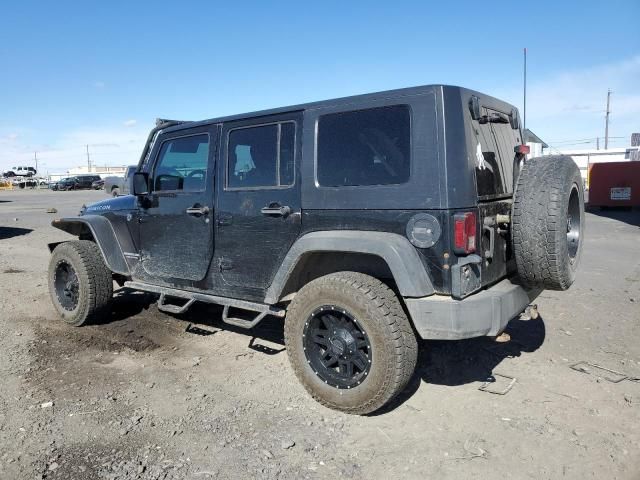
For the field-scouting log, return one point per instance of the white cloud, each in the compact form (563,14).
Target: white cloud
(571,105)
(129,123)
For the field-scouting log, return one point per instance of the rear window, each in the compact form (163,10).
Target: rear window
(261,156)
(364,147)
(494,154)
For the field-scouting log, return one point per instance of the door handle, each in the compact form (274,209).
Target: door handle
(197,210)
(276,210)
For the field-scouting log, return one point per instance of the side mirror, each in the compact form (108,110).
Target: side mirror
(140,183)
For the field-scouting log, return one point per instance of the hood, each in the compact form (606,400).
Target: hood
(125,202)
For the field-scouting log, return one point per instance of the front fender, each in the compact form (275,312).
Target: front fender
(102,232)
(400,256)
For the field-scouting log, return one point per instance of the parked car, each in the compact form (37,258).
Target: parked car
(98,184)
(402,215)
(24,182)
(119,185)
(55,185)
(20,172)
(77,182)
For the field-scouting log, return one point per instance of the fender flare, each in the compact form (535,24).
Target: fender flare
(401,257)
(103,234)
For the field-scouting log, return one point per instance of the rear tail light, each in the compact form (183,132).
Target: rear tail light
(464,232)
(522,149)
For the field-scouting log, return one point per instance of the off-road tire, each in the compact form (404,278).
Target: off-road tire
(378,310)
(548,189)
(94,278)
(115,191)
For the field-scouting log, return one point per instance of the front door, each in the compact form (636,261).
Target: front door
(258,200)
(176,229)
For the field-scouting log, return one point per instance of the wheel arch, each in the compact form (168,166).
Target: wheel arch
(386,256)
(98,229)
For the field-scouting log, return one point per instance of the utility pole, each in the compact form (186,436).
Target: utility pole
(88,161)
(597,143)
(35,158)
(606,121)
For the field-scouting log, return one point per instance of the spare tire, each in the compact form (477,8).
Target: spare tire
(548,222)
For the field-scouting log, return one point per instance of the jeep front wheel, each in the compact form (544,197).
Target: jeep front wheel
(349,342)
(80,284)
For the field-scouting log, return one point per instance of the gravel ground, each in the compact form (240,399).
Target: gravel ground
(144,397)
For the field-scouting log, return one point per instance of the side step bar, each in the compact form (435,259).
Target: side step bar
(261,309)
(169,308)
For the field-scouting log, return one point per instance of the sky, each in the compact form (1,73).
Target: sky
(99,73)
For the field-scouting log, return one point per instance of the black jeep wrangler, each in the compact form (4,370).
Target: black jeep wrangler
(366,221)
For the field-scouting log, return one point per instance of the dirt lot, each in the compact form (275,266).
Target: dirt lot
(140,397)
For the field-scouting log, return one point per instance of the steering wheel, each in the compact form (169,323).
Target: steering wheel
(197,173)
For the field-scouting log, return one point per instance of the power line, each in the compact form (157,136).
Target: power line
(580,140)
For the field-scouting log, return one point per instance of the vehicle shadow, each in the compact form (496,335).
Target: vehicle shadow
(128,303)
(440,362)
(622,214)
(460,362)
(271,329)
(9,232)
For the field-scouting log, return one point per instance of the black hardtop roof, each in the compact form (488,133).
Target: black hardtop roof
(360,100)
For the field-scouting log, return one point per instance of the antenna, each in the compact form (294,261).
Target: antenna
(524,95)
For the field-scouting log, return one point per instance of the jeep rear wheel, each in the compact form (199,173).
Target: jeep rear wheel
(548,222)
(349,342)
(80,284)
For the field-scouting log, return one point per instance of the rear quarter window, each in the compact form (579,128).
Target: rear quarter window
(364,147)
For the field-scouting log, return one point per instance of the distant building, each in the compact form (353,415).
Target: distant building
(103,171)
(585,157)
(536,144)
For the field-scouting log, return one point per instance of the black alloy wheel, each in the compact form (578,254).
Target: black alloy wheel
(337,347)
(573,223)
(66,285)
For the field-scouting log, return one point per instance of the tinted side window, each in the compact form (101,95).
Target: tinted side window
(365,147)
(261,156)
(182,164)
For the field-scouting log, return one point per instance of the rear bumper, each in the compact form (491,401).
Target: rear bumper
(484,313)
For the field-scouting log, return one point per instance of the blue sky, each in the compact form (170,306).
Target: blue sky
(76,73)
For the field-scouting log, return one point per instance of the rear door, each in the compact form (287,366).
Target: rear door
(176,229)
(258,200)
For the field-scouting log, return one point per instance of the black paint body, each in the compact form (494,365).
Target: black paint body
(234,249)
